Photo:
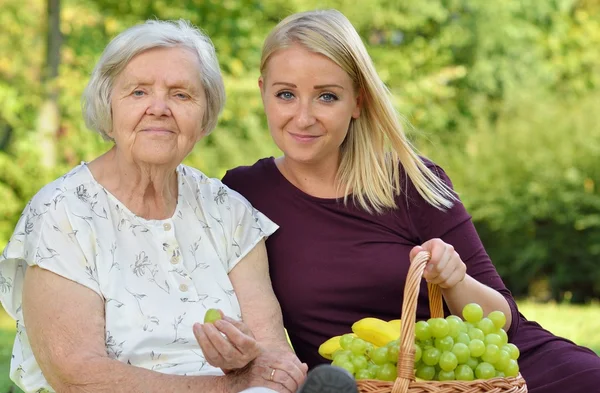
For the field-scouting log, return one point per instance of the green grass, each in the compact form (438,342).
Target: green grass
(580,324)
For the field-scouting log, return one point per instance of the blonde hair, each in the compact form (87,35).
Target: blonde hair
(368,167)
(137,39)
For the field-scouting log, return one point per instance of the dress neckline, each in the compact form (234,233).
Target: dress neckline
(122,206)
(281,179)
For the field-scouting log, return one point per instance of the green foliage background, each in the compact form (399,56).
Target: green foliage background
(504,95)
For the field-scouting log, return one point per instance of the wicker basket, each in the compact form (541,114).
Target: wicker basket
(405,382)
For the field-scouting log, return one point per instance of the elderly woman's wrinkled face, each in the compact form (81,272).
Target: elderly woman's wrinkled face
(158,104)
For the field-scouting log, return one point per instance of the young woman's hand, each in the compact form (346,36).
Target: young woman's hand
(445,268)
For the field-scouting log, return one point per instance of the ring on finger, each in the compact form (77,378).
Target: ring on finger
(272,376)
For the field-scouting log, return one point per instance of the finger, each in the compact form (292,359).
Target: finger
(271,382)
(446,259)
(415,250)
(225,348)
(456,277)
(452,264)
(297,376)
(294,369)
(209,351)
(283,378)
(244,343)
(436,248)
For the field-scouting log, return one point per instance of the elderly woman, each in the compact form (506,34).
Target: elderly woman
(111,266)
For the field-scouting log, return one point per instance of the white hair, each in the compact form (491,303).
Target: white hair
(118,53)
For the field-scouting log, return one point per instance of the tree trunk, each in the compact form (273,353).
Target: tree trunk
(49,116)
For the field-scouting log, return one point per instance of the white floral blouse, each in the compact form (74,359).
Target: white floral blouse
(157,277)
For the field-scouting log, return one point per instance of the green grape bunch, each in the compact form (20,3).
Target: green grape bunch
(462,348)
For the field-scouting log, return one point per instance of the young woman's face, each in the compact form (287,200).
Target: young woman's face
(309,102)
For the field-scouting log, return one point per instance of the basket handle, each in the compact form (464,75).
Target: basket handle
(406,354)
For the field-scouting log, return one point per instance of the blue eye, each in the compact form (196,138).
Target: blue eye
(138,93)
(285,95)
(182,96)
(328,97)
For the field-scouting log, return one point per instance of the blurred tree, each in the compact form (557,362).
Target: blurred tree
(49,117)
(488,77)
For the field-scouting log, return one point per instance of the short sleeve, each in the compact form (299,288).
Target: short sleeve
(46,236)
(249,227)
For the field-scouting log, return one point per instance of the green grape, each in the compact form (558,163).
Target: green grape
(438,327)
(444,343)
(472,363)
(348,366)
(212,315)
(418,364)
(358,346)
(373,369)
(503,336)
(341,352)
(512,370)
(387,372)
(464,373)
(463,338)
(346,340)
(360,362)
(493,338)
(422,331)
(448,361)
(469,325)
(472,312)
(502,361)
(393,343)
(446,375)
(485,371)
(455,324)
(363,374)
(512,350)
(379,355)
(477,348)
(370,347)
(491,354)
(418,353)
(392,355)
(462,352)
(431,356)
(341,357)
(500,374)
(426,343)
(426,372)
(476,333)
(486,326)
(498,318)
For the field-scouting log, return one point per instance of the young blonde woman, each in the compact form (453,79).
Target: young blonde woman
(354,202)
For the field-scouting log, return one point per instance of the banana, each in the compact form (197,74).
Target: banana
(396,324)
(376,331)
(329,347)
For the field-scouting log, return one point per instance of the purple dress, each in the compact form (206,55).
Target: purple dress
(332,264)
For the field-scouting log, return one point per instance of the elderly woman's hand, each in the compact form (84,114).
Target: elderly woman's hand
(227,343)
(445,268)
(279,370)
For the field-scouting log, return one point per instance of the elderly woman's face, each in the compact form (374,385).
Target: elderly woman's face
(158,104)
